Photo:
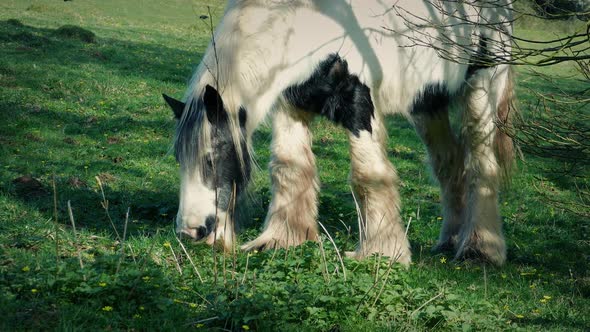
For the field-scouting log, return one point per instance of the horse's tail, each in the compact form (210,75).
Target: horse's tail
(504,143)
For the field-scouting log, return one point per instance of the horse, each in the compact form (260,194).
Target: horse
(352,62)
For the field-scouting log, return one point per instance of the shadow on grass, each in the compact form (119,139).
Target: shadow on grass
(30,101)
(44,47)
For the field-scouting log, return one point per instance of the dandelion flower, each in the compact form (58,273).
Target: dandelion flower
(245,327)
(34,290)
(107,308)
(26,269)
(102,284)
(167,244)
(443,260)
(519,316)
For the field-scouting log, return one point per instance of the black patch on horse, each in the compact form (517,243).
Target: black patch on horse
(242,116)
(176,105)
(221,168)
(333,92)
(433,98)
(482,59)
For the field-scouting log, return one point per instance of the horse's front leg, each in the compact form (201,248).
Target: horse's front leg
(374,181)
(447,157)
(489,93)
(292,213)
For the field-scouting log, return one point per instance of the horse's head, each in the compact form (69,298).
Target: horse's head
(211,149)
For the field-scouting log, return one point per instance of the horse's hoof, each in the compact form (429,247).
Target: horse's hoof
(490,249)
(443,247)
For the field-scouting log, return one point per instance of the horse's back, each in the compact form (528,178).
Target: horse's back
(393,46)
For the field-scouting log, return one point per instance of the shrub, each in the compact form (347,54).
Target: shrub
(76,32)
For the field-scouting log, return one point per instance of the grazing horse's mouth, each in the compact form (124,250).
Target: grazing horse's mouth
(200,232)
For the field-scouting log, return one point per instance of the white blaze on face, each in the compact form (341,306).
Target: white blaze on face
(197,202)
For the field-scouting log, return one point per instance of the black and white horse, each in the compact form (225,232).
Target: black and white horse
(352,61)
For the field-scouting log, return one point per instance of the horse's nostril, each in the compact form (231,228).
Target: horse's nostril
(201,232)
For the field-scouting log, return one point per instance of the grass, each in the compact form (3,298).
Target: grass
(74,110)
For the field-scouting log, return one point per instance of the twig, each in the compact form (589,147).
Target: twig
(335,248)
(122,250)
(105,206)
(175,259)
(71,214)
(426,303)
(189,258)
(325,269)
(246,268)
(56,224)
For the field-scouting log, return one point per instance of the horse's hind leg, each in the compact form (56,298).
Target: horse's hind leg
(292,213)
(446,156)
(487,93)
(374,181)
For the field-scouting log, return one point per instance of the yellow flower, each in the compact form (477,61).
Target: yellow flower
(107,308)
(245,327)
(546,297)
(102,284)
(141,308)
(439,218)
(457,268)
(167,244)
(34,290)
(443,260)
(26,269)
(519,316)
(192,305)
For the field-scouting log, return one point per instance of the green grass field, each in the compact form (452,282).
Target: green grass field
(73,109)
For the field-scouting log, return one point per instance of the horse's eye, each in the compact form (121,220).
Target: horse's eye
(209,161)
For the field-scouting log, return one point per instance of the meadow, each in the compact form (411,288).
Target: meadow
(89,191)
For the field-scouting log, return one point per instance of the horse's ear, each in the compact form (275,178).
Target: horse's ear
(176,105)
(214,105)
